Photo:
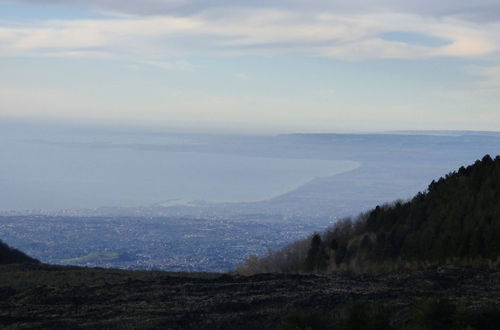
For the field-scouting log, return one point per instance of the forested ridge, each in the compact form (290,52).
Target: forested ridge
(455,221)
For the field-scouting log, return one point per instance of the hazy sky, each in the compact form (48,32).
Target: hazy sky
(253,66)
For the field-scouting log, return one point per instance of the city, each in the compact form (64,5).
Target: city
(163,243)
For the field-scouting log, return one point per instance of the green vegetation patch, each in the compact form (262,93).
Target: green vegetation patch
(95,258)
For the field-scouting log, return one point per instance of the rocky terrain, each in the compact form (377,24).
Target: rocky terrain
(42,296)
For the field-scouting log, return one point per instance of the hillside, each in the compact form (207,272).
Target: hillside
(37,296)
(456,221)
(10,255)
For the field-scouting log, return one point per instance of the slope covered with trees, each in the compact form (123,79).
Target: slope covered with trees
(456,221)
(10,255)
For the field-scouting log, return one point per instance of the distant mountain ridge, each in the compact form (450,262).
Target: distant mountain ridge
(446,132)
(456,221)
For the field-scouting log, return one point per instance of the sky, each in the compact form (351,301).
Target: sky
(252,66)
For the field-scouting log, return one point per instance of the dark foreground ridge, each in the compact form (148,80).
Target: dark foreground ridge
(9,255)
(36,296)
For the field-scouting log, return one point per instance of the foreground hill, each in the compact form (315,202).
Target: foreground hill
(456,221)
(37,296)
(10,255)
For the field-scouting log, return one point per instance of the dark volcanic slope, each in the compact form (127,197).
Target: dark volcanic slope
(41,296)
(10,255)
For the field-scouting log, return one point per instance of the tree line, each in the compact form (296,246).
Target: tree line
(455,221)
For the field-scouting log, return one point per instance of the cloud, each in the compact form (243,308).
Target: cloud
(482,93)
(137,7)
(490,76)
(132,38)
(354,32)
(479,10)
(180,65)
(241,76)
(160,33)
(275,32)
(51,102)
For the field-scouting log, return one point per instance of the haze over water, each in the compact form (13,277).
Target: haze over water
(88,170)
